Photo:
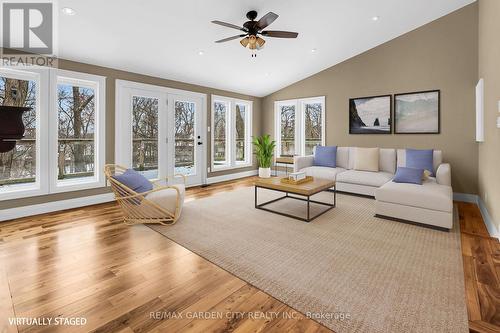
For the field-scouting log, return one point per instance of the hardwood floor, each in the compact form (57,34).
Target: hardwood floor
(481,259)
(86,263)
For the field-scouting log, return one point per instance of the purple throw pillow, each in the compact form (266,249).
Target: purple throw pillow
(325,156)
(420,159)
(134,181)
(408,175)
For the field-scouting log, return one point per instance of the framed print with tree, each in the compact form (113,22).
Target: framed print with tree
(370,115)
(417,113)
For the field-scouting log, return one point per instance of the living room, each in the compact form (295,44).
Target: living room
(250,166)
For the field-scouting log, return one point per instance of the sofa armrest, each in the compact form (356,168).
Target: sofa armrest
(301,162)
(443,174)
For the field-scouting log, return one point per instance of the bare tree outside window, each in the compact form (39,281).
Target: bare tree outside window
(184,137)
(313,121)
(240,132)
(19,165)
(145,135)
(220,118)
(76,145)
(287,130)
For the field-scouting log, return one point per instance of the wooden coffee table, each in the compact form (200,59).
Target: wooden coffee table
(303,190)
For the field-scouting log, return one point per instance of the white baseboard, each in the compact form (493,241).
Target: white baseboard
(24,211)
(14,213)
(18,212)
(232,176)
(488,220)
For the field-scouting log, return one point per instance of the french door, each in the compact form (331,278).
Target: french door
(160,131)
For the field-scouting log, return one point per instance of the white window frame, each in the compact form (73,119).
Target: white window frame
(248,133)
(123,125)
(229,150)
(300,142)
(231,162)
(47,133)
(40,186)
(98,84)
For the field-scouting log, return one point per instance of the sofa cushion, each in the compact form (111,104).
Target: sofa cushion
(387,160)
(343,157)
(437,159)
(429,195)
(366,159)
(134,181)
(323,172)
(325,156)
(368,178)
(420,159)
(408,175)
(167,198)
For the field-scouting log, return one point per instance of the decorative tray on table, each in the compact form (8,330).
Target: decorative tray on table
(286,180)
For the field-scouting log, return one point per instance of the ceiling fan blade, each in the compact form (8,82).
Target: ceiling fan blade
(266,20)
(229,25)
(229,38)
(280,34)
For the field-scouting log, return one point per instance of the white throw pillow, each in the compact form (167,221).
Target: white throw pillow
(366,159)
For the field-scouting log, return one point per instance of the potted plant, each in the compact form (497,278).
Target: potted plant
(264,151)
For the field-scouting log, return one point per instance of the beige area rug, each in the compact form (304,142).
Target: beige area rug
(383,276)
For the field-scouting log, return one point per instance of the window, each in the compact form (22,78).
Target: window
(18,166)
(22,171)
(299,125)
(240,118)
(287,129)
(145,135)
(77,140)
(313,125)
(220,130)
(63,145)
(231,133)
(185,128)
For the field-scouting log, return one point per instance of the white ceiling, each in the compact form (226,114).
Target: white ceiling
(163,38)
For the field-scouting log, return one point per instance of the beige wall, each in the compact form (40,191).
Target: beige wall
(489,69)
(112,75)
(440,55)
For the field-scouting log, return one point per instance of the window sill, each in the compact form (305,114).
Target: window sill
(18,191)
(77,184)
(230,167)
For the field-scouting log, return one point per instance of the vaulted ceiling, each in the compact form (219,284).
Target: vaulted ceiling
(175,39)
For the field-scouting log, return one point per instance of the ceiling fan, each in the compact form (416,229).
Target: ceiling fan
(252,29)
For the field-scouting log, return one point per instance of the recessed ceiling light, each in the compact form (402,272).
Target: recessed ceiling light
(68,11)
(201,53)
(375,18)
(313,50)
(267,74)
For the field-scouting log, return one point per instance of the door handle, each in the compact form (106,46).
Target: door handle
(200,143)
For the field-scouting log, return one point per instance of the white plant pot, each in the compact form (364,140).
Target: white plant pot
(264,172)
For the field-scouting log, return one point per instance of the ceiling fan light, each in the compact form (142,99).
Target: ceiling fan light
(260,42)
(244,42)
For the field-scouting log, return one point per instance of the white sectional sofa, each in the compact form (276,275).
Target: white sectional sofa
(430,203)
(348,179)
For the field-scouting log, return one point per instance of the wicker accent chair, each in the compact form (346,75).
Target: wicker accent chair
(161,205)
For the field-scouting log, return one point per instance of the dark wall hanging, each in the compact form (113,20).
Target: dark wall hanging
(370,115)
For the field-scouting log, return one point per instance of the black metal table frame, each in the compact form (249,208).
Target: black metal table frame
(306,199)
